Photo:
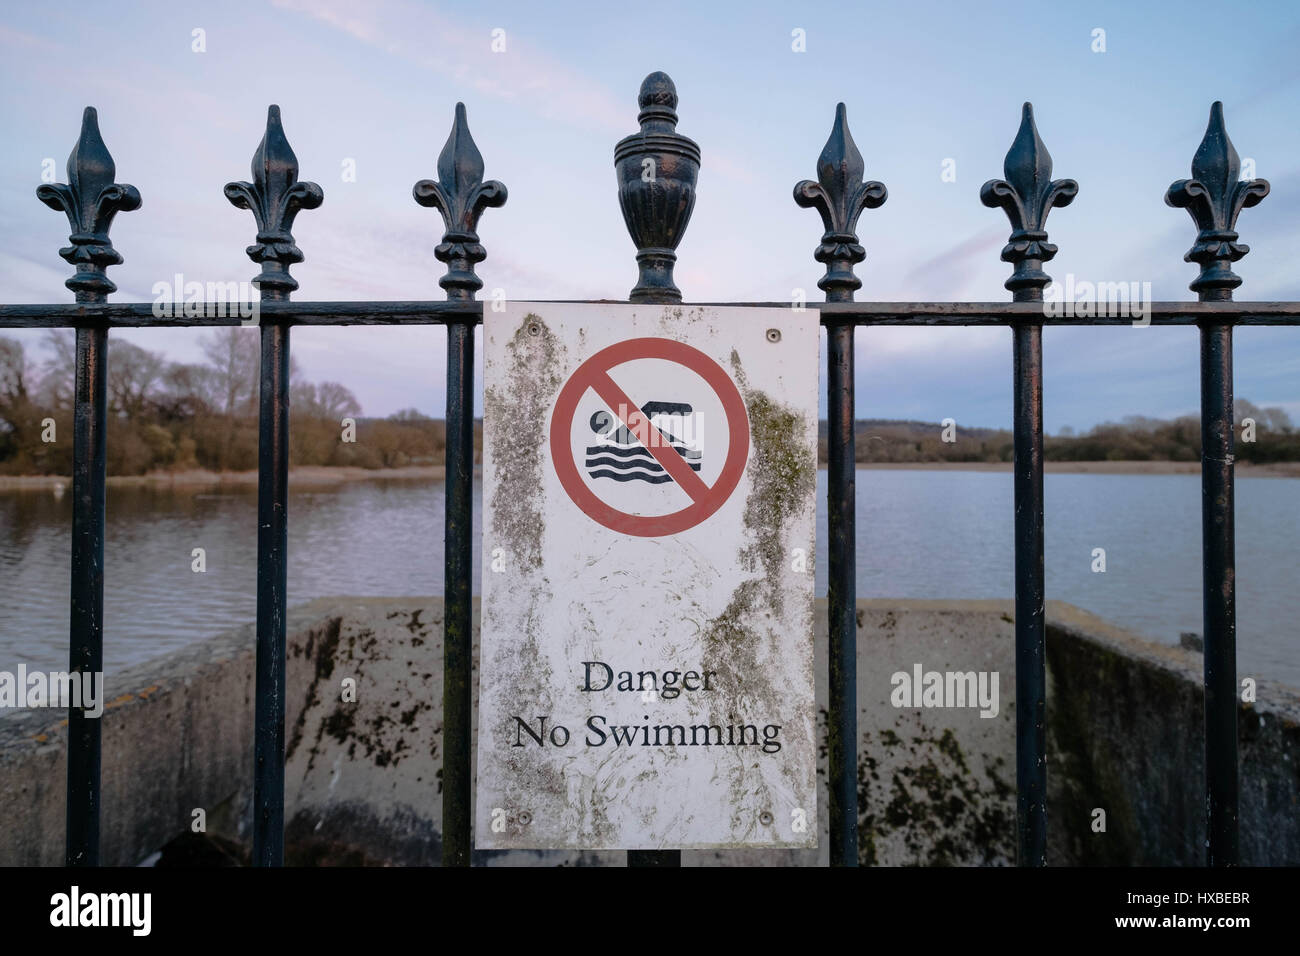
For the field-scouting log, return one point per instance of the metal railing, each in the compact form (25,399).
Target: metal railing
(1213,196)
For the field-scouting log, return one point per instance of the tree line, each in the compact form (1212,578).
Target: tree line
(1134,438)
(176,416)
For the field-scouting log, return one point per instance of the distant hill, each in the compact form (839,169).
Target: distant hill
(1136,438)
(892,440)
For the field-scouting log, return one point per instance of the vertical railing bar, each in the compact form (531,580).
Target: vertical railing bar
(275,196)
(461,196)
(1027,195)
(458,624)
(1218,571)
(272,578)
(841,592)
(840,194)
(90,199)
(1214,197)
(86,650)
(1031,664)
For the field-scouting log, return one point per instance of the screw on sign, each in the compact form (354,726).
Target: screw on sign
(705,498)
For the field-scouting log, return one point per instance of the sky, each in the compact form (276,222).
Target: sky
(372,86)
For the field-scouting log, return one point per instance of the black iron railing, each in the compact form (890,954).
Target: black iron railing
(1214,196)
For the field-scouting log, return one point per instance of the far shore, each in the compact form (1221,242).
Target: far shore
(1286,469)
(322,476)
(311,476)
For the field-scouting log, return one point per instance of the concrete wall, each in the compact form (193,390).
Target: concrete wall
(936,785)
(1125,730)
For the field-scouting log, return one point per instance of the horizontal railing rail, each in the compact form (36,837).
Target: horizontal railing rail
(132,315)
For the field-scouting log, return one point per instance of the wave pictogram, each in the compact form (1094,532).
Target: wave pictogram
(619,455)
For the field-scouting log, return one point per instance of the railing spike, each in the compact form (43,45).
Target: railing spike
(90,199)
(461,196)
(1214,197)
(274,196)
(1027,194)
(840,195)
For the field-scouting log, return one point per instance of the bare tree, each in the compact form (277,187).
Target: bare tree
(302,399)
(15,371)
(188,391)
(59,371)
(335,401)
(133,375)
(1275,418)
(233,354)
(19,417)
(328,401)
(409,415)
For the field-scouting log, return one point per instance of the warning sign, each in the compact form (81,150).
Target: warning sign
(649,482)
(629,445)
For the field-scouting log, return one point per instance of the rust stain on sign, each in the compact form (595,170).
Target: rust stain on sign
(649,496)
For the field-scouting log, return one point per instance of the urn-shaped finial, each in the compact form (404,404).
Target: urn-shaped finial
(657,169)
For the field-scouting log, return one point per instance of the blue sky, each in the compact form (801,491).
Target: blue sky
(923,82)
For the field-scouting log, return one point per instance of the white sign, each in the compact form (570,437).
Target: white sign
(646,675)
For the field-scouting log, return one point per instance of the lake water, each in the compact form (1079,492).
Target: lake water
(921,534)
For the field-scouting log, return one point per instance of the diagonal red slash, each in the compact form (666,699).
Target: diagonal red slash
(705,499)
(651,437)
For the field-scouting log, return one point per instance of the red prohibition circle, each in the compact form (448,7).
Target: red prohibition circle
(705,499)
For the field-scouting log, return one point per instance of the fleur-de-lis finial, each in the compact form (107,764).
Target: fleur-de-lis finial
(840,195)
(1214,197)
(275,195)
(90,199)
(461,196)
(1028,194)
